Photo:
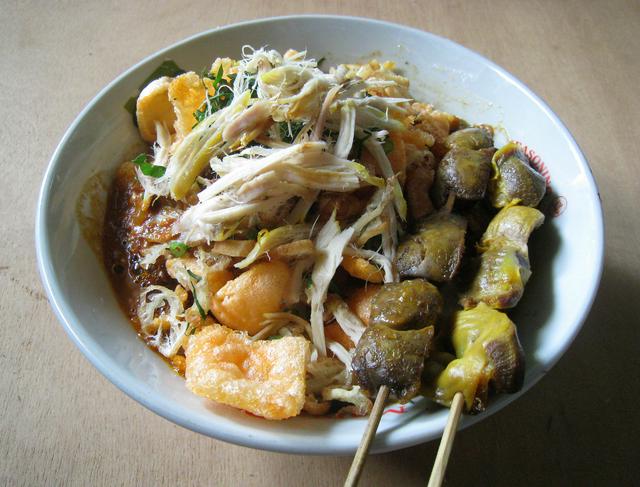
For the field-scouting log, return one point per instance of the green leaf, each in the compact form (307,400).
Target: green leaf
(218,78)
(147,168)
(153,171)
(177,249)
(252,84)
(167,68)
(194,276)
(222,97)
(203,315)
(140,159)
(388,146)
(130,106)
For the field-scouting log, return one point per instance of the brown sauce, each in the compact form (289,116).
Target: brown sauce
(128,230)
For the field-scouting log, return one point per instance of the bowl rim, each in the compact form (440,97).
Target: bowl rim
(160,405)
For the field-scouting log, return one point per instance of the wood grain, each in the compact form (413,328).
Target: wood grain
(62,423)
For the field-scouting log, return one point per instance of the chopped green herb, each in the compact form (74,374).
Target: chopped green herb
(222,95)
(290,130)
(218,77)
(203,315)
(252,84)
(177,249)
(140,159)
(388,146)
(147,168)
(308,282)
(275,337)
(194,276)
(320,61)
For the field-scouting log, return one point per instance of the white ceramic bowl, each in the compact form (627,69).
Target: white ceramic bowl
(566,253)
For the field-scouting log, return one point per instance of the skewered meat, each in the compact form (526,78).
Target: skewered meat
(394,358)
(435,250)
(408,304)
(489,355)
(504,262)
(513,179)
(470,138)
(463,172)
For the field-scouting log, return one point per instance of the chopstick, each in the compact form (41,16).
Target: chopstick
(444,450)
(369,433)
(446,442)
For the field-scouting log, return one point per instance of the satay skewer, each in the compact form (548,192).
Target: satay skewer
(367,437)
(446,442)
(378,408)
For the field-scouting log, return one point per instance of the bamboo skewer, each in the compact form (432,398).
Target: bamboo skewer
(367,437)
(446,442)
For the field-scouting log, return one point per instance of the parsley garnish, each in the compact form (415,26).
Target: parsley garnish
(203,315)
(177,249)
(290,130)
(147,168)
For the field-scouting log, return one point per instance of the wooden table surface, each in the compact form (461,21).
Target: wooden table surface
(63,423)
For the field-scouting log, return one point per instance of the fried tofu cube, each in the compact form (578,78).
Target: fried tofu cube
(264,377)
